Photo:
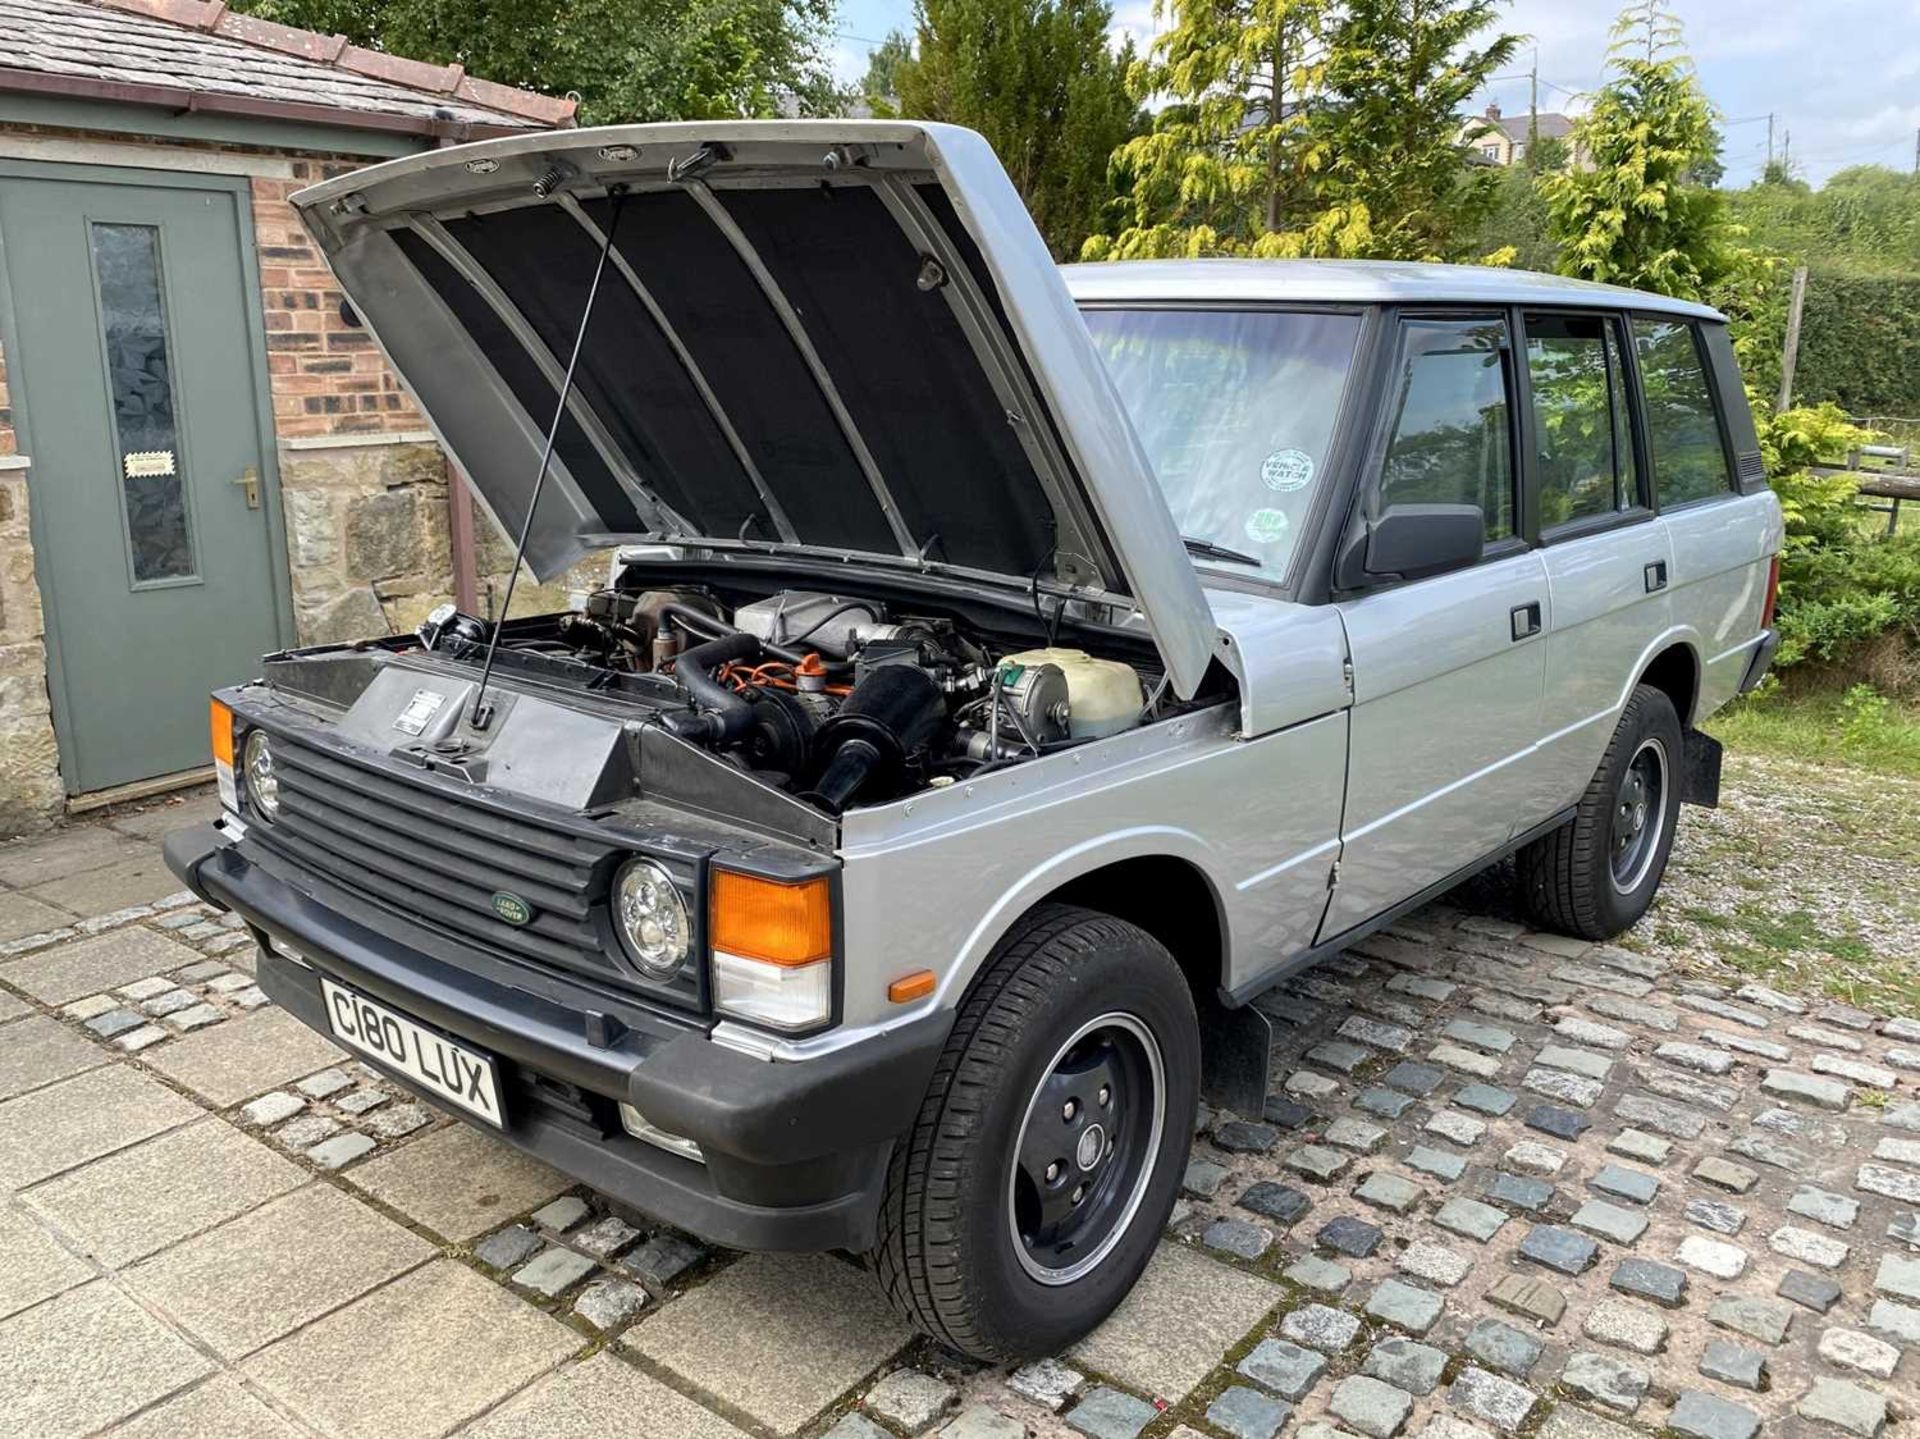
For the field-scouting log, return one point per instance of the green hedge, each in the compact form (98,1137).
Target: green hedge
(1860,342)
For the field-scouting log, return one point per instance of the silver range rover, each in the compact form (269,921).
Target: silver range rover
(1006,675)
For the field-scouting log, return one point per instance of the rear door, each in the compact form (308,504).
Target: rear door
(1447,671)
(1721,530)
(1609,568)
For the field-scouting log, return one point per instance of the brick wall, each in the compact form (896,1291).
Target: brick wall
(326,375)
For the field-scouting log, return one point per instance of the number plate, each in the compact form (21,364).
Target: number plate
(454,1073)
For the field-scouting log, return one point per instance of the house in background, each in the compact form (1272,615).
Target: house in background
(203,457)
(1496,139)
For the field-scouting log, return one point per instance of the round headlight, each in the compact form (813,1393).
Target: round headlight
(652,919)
(263,785)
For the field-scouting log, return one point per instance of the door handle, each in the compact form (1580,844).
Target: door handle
(1656,574)
(249,482)
(1526,620)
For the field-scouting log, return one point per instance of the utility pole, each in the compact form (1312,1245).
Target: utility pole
(1916,150)
(1769,139)
(1792,352)
(1533,110)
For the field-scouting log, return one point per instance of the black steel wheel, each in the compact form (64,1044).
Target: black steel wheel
(1086,1148)
(1597,874)
(1030,1193)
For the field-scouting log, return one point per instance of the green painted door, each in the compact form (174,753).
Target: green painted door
(135,368)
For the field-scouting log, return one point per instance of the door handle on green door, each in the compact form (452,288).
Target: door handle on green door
(249,481)
(1656,574)
(1526,620)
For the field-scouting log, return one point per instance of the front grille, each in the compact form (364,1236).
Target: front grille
(439,860)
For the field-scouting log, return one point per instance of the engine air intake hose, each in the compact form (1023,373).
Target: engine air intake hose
(720,716)
(889,718)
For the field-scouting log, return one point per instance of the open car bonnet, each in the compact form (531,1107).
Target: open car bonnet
(835,337)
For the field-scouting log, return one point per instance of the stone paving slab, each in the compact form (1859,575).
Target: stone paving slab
(71,851)
(459,1182)
(140,878)
(33,1264)
(218,1409)
(603,1396)
(36,1050)
(21,915)
(777,1337)
(143,1198)
(1176,1324)
(79,1362)
(79,1119)
(106,961)
(263,1275)
(434,1348)
(244,1057)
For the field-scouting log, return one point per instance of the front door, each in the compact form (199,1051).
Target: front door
(136,372)
(1448,670)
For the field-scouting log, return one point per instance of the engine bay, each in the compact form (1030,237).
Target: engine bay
(838,700)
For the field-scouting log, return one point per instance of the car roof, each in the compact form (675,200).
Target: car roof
(1353,282)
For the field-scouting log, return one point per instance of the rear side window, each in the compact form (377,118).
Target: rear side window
(1582,438)
(1451,441)
(1683,431)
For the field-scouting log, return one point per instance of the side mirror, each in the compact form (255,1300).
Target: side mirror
(1410,541)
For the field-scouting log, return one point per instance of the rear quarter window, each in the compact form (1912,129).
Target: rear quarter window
(1684,441)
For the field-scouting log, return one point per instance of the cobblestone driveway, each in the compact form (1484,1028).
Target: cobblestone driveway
(1507,1183)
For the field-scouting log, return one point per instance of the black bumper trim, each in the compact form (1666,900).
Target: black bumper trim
(1762,659)
(796,1152)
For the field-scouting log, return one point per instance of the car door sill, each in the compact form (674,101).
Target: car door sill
(1327,948)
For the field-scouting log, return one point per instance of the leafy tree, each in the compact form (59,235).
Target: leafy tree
(1229,153)
(1041,81)
(880,86)
(626,59)
(1398,73)
(1634,218)
(1308,127)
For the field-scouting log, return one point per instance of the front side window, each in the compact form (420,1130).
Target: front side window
(1451,443)
(1236,410)
(1582,439)
(1683,431)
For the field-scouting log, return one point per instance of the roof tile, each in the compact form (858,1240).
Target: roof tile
(201,47)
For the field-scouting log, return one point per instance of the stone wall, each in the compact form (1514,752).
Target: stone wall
(31,794)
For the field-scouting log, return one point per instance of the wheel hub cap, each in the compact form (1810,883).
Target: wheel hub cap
(1638,812)
(1086,1148)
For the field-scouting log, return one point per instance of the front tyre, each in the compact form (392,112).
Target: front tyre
(1027,1198)
(1597,874)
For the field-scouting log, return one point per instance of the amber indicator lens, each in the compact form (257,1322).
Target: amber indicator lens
(771,921)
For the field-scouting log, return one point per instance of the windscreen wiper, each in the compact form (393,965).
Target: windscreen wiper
(1208,550)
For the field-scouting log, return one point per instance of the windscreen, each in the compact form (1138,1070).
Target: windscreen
(1236,409)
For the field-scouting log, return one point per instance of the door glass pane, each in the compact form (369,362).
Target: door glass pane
(1683,433)
(126,262)
(1585,455)
(1450,436)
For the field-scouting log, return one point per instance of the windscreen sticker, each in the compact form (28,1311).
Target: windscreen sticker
(1287,470)
(1265,527)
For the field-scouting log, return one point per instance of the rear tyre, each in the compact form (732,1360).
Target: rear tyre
(1597,874)
(1029,1195)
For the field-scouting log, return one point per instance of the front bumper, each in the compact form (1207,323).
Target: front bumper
(796,1153)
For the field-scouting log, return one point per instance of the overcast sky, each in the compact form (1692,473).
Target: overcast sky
(1843,77)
